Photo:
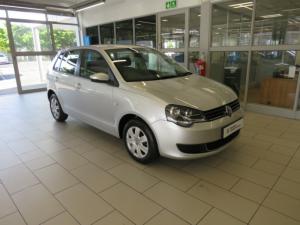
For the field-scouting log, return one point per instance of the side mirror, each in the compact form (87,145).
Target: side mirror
(100,78)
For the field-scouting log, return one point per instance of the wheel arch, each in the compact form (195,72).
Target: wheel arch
(127,117)
(49,93)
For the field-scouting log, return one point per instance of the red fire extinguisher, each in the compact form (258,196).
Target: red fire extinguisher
(201,65)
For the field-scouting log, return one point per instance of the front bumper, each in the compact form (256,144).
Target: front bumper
(170,136)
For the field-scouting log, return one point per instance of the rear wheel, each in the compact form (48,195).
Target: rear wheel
(56,109)
(140,141)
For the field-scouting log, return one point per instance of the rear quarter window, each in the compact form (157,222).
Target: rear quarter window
(58,62)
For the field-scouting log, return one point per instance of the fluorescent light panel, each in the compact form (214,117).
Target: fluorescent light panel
(90,6)
(271,16)
(241,5)
(246,5)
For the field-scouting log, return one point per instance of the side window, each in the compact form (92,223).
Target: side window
(69,62)
(57,63)
(93,62)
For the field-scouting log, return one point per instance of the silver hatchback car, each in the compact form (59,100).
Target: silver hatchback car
(157,106)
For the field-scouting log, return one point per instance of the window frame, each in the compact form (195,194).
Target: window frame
(56,60)
(113,79)
(76,66)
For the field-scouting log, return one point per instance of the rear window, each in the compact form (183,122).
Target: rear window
(69,62)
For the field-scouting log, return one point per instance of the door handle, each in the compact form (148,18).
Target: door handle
(78,86)
(56,78)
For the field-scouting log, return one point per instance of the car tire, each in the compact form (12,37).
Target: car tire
(140,141)
(56,109)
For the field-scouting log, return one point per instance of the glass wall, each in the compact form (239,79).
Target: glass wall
(65,36)
(31,36)
(192,64)
(172,31)
(230,68)
(107,33)
(194,29)
(273,72)
(273,78)
(33,71)
(277,22)
(231,23)
(124,32)
(177,56)
(93,35)
(145,31)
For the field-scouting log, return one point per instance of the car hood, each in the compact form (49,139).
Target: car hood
(192,91)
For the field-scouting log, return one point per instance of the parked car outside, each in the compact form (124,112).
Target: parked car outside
(3,58)
(136,93)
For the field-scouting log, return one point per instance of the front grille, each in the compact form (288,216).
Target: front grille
(207,147)
(220,112)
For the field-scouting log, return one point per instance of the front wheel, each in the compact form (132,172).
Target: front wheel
(56,109)
(140,141)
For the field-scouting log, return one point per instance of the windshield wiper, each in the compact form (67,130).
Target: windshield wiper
(174,76)
(166,77)
(185,74)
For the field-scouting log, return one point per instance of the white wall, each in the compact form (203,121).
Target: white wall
(114,10)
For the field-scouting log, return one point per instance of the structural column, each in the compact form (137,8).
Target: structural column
(205,32)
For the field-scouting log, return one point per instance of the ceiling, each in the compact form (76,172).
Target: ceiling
(65,4)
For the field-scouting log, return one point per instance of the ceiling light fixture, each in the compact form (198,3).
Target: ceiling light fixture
(90,6)
(271,16)
(240,5)
(246,5)
(146,22)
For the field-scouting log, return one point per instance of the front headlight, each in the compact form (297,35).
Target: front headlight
(184,116)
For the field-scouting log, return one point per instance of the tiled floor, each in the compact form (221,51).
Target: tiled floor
(71,173)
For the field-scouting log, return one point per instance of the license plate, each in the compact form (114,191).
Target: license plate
(230,129)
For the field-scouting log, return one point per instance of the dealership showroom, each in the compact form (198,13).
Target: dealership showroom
(149,112)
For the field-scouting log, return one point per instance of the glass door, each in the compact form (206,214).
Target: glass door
(7,73)
(34,49)
(173,36)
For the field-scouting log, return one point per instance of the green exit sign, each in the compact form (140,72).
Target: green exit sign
(171,4)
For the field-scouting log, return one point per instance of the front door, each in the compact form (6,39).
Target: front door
(94,100)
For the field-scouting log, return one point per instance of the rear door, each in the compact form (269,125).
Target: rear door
(65,83)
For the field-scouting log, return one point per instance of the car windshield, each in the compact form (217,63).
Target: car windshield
(144,64)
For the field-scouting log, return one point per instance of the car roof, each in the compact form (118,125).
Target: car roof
(103,47)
